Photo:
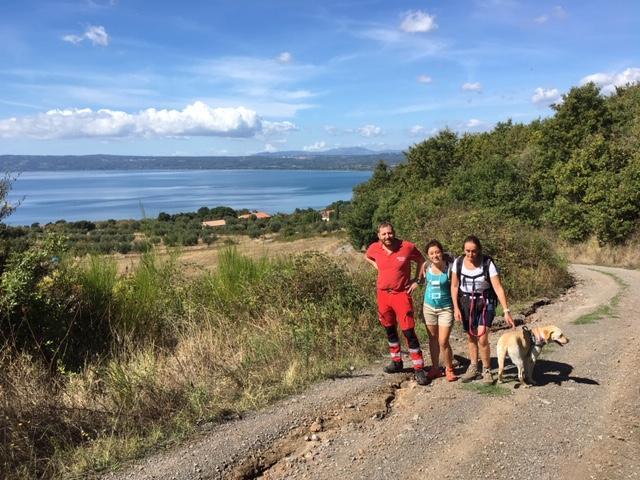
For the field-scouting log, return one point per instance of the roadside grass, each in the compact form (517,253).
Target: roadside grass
(626,255)
(608,310)
(494,390)
(182,351)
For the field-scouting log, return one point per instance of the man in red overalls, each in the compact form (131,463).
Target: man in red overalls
(392,258)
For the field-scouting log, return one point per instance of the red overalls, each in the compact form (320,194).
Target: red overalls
(394,303)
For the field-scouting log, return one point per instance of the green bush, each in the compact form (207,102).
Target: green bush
(529,265)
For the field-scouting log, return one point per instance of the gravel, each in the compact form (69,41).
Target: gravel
(581,422)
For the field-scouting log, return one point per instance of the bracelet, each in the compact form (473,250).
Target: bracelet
(506,310)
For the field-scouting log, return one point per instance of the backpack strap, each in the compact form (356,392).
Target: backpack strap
(486,265)
(458,263)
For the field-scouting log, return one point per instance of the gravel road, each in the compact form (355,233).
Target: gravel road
(582,421)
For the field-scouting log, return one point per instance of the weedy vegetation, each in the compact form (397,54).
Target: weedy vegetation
(98,367)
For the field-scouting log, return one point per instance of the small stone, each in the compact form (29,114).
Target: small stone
(315,427)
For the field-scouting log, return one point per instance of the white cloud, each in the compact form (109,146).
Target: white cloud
(474,123)
(557,13)
(257,72)
(75,39)
(408,46)
(265,85)
(417,131)
(332,130)
(472,87)
(197,119)
(418,21)
(424,79)
(96,34)
(370,131)
(285,57)
(269,128)
(317,146)
(270,148)
(547,96)
(609,81)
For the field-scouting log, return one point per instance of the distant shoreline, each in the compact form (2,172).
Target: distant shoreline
(73,195)
(54,163)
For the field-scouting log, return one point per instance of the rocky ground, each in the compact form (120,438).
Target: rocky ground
(582,421)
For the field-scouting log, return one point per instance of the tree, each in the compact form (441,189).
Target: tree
(360,219)
(433,160)
(6,208)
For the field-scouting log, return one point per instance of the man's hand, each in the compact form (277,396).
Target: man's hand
(412,287)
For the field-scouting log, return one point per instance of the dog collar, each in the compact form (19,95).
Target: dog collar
(533,338)
(540,341)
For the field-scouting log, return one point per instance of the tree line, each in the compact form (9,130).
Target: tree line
(576,173)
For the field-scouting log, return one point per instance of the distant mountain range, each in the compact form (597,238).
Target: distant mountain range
(344,151)
(353,158)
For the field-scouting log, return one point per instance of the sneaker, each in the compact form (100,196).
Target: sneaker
(471,373)
(451,376)
(393,367)
(421,377)
(487,377)
(435,372)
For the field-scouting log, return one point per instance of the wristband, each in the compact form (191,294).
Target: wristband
(506,310)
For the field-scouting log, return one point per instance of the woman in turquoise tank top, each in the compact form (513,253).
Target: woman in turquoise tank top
(438,309)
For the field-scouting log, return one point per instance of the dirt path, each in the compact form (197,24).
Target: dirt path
(581,422)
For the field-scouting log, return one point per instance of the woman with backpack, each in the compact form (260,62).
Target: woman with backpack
(438,309)
(476,289)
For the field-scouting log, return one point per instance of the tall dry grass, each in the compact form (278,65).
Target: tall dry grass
(182,352)
(590,252)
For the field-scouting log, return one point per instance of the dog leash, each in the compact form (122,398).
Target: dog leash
(472,315)
(533,339)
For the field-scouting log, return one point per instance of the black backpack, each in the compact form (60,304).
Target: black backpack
(486,262)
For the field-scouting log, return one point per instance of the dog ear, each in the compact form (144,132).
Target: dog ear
(548,334)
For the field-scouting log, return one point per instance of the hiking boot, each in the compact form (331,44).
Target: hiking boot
(471,373)
(451,376)
(435,372)
(487,377)
(421,377)
(393,367)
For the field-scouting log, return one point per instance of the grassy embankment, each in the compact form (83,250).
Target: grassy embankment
(590,252)
(177,354)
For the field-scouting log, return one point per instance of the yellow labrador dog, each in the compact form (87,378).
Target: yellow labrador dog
(524,346)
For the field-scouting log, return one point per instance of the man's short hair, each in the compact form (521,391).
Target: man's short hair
(385,225)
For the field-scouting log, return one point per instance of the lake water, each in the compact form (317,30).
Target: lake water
(100,195)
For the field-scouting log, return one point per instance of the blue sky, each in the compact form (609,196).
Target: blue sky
(233,77)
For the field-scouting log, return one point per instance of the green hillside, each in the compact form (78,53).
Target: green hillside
(577,173)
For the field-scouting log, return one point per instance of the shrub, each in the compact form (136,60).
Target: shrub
(526,256)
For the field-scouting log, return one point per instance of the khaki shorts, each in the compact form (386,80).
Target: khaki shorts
(442,317)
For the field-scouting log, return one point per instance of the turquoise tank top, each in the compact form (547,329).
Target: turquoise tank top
(438,291)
